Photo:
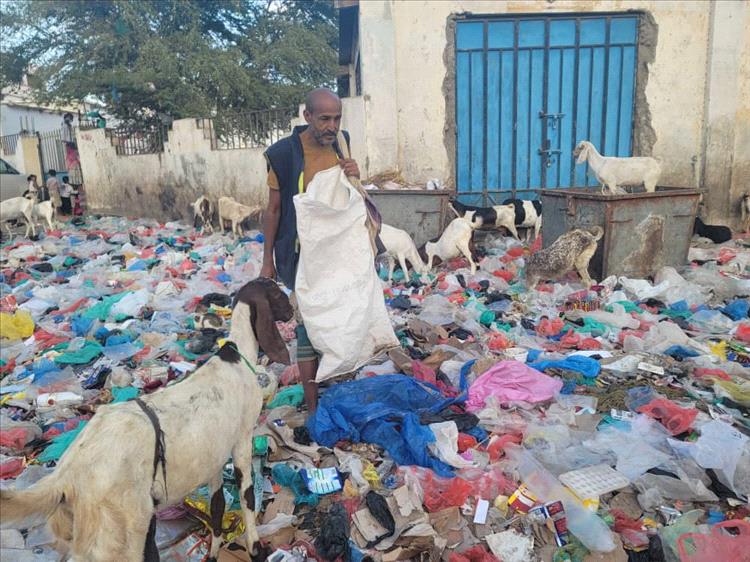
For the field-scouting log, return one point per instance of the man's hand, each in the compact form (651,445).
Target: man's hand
(268,270)
(351,169)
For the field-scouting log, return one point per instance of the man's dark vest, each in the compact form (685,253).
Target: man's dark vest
(287,160)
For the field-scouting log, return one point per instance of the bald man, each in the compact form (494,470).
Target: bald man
(292,164)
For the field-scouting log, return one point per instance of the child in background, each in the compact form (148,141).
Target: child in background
(66,191)
(53,188)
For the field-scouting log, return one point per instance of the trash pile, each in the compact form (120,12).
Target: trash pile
(608,424)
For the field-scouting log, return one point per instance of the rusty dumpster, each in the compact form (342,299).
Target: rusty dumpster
(422,213)
(643,232)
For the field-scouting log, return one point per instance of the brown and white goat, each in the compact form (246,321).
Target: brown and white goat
(135,458)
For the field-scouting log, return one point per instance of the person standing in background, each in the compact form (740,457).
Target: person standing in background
(53,188)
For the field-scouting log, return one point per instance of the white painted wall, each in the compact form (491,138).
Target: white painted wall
(403,48)
(164,185)
(42,121)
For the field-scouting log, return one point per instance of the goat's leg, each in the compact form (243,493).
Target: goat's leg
(537,228)
(513,231)
(463,247)
(216,493)
(242,456)
(402,263)
(582,266)
(391,266)
(49,222)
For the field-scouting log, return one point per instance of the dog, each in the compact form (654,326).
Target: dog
(573,250)
(511,215)
(745,212)
(135,458)
(455,241)
(203,212)
(716,233)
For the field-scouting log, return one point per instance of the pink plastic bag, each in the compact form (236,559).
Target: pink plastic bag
(696,547)
(509,382)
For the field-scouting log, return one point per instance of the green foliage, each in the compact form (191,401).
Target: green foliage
(179,58)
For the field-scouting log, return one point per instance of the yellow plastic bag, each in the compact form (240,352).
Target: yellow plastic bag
(16,326)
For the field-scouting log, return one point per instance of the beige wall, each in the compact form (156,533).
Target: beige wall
(164,185)
(406,69)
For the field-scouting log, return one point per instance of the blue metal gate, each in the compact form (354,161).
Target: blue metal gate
(528,89)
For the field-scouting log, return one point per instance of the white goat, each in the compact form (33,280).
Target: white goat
(231,210)
(18,208)
(399,245)
(42,210)
(612,172)
(102,497)
(203,212)
(455,241)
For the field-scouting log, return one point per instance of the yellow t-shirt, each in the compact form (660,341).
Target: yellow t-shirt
(317,158)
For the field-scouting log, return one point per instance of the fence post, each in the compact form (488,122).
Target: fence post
(32,162)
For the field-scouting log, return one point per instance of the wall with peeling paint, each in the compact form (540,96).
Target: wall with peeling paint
(693,114)
(164,185)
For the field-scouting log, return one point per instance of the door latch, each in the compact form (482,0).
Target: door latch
(554,118)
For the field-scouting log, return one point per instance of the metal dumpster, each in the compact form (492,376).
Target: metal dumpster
(643,232)
(419,212)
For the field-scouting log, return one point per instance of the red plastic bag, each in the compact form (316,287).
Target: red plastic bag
(570,339)
(475,554)
(466,442)
(676,419)
(696,547)
(498,342)
(589,344)
(631,531)
(743,333)
(498,443)
(549,327)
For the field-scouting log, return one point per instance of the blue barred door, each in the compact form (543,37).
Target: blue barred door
(528,89)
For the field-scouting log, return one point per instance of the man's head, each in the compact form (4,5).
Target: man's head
(31,177)
(68,118)
(323,114)
(52,173)
(65,179)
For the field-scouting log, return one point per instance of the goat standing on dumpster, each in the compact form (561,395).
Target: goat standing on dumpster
(292,163)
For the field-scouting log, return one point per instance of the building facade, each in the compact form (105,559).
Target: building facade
(492,96)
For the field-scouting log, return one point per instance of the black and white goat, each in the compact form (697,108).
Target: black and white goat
(511,215)
(203,213)
(102,497)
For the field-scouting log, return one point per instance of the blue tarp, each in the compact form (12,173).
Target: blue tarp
(587,366)
(383,410)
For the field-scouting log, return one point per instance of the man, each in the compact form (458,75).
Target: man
(292,164)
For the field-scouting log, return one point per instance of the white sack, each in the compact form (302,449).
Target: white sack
(339,294)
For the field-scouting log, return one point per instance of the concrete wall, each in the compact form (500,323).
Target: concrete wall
(164,185)
(695,99)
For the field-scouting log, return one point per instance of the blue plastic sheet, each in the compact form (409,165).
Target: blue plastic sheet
(81,325)
(680,352)
(737,309)
(383,410)
(587,366)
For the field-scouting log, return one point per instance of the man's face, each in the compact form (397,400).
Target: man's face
(324,120)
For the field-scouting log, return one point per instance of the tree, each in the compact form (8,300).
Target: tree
(177,58)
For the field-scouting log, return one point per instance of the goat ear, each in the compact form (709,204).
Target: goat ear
(264,327)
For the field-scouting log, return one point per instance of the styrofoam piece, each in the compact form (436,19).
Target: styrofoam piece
(593,481)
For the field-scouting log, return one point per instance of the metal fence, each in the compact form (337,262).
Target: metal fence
(8,144)
(130,140)
(253,129)
(52,151)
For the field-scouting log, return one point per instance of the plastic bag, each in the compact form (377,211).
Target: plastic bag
(339,294)
(696,547)
(511,382)
(16,326)
(676,419)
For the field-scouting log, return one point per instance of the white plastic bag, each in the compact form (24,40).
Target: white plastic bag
(338,291)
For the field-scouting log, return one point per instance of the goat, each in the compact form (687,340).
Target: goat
(203,212)
(612,172)
(231,210)
(573,250)
(398,244)
(511,215)
(745,212)
(102,497)
(18,208)
(455,241)
(42,209)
